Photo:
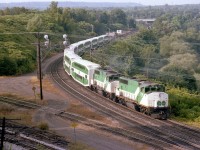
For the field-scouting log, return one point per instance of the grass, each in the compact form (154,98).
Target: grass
(79,146)
(29,99)
(11,112)
(14,96)
(82,110)
(47,85)
(194,123)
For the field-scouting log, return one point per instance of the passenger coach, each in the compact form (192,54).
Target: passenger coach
(82,71)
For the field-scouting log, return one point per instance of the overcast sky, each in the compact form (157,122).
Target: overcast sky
(144,2)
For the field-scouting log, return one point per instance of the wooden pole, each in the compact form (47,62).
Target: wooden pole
(3,132)
(39,66)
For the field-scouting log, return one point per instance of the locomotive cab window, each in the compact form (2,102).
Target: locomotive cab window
(147,89)
(113,78)
(160,88)
(154,88)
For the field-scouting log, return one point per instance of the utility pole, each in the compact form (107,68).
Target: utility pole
(39,65)
(3,132)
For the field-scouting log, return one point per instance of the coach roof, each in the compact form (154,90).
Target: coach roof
(87,63)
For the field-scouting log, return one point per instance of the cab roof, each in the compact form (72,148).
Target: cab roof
(142,83)
(108,71)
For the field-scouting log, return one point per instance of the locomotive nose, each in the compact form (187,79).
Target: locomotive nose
(158,99)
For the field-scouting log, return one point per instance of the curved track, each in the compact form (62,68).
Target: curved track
(154,132)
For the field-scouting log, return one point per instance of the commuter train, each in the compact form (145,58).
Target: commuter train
(143,96)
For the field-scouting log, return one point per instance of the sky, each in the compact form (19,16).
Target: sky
(143,2)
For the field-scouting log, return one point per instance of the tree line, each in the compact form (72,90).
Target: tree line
(19,49)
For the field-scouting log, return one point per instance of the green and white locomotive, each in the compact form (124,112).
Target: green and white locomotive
(144,96)
(105,81)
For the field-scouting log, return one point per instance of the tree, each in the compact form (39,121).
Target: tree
(174,44)
(131,23)
(104,18)
(35,24)
(185,61)
(118,16)
(53,7)
(7,66)
(53,10)
(180,77)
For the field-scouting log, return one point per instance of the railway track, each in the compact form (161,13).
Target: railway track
(11,130)
(139,127)
(135,120)
(117,131)
(32,138)
(18,102)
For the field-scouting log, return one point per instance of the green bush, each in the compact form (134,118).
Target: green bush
(8,66)
(184,104)
(43,126)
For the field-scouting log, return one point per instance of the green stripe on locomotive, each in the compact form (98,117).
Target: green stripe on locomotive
(66,68)
(80,78)
(139,96)
(100,75)
(128,85)
(80,67)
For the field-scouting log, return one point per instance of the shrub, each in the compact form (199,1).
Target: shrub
(43,126)
(184,105)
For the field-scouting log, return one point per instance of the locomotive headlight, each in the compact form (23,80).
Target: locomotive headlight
(163,103)
(159,103)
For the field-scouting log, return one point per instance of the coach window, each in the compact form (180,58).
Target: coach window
(86,76)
